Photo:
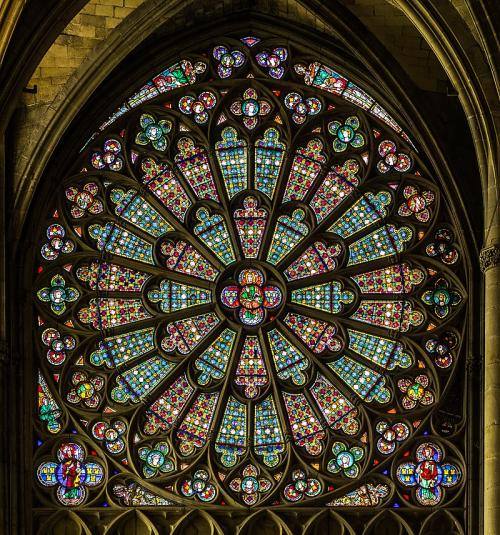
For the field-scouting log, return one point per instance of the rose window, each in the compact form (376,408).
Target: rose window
(244,304)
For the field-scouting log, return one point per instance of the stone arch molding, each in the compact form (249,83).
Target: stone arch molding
(138,25)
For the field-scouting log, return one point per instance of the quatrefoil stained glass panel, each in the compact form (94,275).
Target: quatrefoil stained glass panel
(249,293)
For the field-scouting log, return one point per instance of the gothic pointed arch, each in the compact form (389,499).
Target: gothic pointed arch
(250,290)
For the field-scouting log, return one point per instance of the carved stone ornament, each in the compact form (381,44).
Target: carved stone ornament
(489,257)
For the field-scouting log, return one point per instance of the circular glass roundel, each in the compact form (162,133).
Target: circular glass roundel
(249,292)
(253,296)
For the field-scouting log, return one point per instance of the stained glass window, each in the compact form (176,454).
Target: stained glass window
(248,295)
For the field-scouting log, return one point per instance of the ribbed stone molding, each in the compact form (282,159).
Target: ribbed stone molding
(489,257)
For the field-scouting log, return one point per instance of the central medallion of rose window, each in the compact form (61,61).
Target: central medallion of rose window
(252,298)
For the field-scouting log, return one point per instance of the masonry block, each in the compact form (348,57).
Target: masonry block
(82,30)
(104,11)
(122,12)
(133,3)
(118,3)
(112,22)
(92,20)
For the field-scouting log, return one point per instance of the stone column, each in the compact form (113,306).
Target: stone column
(490,265)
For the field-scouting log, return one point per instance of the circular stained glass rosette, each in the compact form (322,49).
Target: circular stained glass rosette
(249,296)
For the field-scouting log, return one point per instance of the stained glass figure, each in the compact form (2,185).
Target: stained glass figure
(111,434)
(273,61)
(302,107)
(109,157)
(57,243)
(416,204)
(301,487)
(153,131)
(415,391)
(442,247)
(73,477)
(429,475)
(58,294)
(250,486)
(198,106)
(391,159)
(441,298)
(441,348)
(242,298)
(345,460)
(84,200)
(250,297)
(251,107)
(155,459)
(178,75)
(391,435)
(85,389)
(369,495)
(59,346)
(135,495)
(49,412)
(346,134)
(228,60)
(199,487)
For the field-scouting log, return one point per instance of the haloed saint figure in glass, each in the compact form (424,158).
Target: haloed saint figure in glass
(249,294)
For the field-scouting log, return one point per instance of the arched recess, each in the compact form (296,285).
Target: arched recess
(308,49)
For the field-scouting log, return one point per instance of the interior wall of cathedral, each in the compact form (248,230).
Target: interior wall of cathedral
(445,53)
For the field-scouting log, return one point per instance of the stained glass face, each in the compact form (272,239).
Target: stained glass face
(248,295)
